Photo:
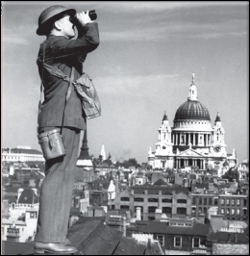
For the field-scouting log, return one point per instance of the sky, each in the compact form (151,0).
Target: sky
(143,67)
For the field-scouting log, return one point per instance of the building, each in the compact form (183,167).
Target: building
(21,154)
(20,223)
(192,142)
(230,206)
(228,243)
(178,236)
(146,201)
(243,169)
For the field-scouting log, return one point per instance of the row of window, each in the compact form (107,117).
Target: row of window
(196,241)
(214,201)
(232,202)
(233,211)
(222,211)
(164,200)
(205,201)
(152,209)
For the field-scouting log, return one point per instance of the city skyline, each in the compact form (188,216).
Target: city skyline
(143,67)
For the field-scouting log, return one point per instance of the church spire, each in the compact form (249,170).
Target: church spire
(103,153)
(192,90)
(84,154)
(165,117)
(217,119)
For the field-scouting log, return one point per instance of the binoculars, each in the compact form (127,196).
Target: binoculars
(92,16)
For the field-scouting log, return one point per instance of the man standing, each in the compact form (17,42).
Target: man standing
(63,50)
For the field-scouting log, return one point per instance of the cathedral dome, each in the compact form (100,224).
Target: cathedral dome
(192,109)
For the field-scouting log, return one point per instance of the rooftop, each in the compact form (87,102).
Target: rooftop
(163,228)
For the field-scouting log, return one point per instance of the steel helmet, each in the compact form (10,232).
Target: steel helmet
(51,14)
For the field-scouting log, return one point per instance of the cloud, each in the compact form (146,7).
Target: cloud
(173,31)
(133,85)
(14,39)
(155,6)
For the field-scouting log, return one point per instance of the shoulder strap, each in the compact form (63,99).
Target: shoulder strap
(68,94)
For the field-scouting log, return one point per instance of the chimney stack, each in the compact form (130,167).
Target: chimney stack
(138,213)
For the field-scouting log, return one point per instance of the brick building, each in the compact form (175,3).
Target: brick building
(233,207)
(170,200)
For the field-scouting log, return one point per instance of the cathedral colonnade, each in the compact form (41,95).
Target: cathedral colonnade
(184,162)
(195,138)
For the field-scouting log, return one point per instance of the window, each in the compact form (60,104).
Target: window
(228,211)
(124,207)
(177,241)
(238,211)
(232,211)
(167,200)
(181,210)
(193,200)
(205,201)
(166,210)
(222,201)
(181,201)
(161,240)
(245,202)
(222,211)
(228,202)
(232,202)
(151,209)
(238,201)
(215,201)
(153,200)
(139,199)
(124,198)
(200,200)
(196,242)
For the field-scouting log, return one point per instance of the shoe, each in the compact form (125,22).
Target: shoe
(54,248)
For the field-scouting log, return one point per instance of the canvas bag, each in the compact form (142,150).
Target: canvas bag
(85,89)
(90,101)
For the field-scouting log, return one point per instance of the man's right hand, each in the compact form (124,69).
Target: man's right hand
(83,18)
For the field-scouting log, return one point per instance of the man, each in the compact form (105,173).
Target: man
(62,49)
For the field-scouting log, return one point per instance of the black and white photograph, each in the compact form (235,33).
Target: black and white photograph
(125,127)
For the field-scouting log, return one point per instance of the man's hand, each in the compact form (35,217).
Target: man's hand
(83,18)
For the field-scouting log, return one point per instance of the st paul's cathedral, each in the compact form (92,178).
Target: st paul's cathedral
(193,141)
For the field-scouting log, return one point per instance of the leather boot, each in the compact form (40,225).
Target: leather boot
(54,248)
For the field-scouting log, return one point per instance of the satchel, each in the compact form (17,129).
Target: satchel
(90,101)
(51,144)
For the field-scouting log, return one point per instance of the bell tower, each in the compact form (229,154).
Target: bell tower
(164,144)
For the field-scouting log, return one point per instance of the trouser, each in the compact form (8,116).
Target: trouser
(56,190)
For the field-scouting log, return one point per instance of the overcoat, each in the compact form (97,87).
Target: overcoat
(65,53)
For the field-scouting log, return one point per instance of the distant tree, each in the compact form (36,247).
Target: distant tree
(133,162)
(231,174)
